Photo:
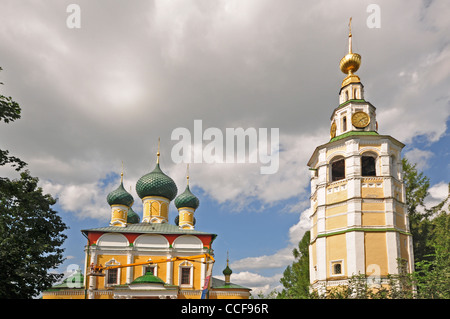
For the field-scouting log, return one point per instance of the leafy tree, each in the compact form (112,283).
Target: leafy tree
(296,277)
(432,275)
(416,189)
(30,230)
(9,112)
(30,237)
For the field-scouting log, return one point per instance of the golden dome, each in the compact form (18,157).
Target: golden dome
(350,62)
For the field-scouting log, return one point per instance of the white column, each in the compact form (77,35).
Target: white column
(321,258)
(130,270)
(393,249)
(355,253)
(169,272)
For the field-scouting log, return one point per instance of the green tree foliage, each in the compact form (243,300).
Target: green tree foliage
(295,278)
(9,112)
(31,232)
(416,189)
(432,275)
(30,238)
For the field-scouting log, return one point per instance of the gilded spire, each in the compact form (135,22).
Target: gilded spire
(121,175)
(350,36)
(187,174)
(350,63)
(157,153)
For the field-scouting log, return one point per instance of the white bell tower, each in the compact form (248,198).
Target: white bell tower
(359,222)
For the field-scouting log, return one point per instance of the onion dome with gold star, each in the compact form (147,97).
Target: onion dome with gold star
(156,183)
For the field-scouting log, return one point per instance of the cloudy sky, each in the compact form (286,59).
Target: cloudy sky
(133,71)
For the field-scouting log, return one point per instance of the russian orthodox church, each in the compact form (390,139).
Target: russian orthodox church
(149,258)
(359,220)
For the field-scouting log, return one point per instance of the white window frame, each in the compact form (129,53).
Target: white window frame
(112,262)
(334,262)
(186,265)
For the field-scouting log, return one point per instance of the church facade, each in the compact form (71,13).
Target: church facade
(359,221)
(149,259)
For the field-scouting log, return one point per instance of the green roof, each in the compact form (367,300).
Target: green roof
(148,278)
(148,228)
(75,280)
(120,196)
(156,183)
(220,284)
(187,199)
(353,133)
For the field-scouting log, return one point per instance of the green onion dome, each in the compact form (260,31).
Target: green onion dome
(227,271)
(120,196)
(132,217)
(156,183)
(187,199)
(148,278)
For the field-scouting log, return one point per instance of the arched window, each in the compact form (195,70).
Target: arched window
(368,166)
(338,170)
(346,95)
(344,124)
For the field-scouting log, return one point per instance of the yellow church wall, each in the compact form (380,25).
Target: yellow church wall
(118,214)
(103,259)
(404,246)
(64,294)
(333,150)
(336,196)
(314,231)
(372,206)
(373,219)
(161,270)
(336,222)
(374,147)
(336,247)
(372,192)
(336,210)
(376,251)
(400,217)
(196,273)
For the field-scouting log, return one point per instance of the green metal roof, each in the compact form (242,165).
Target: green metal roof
(220,284)
(148,228)
(353,133)
(156,183)
(148,278)
(75,280)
